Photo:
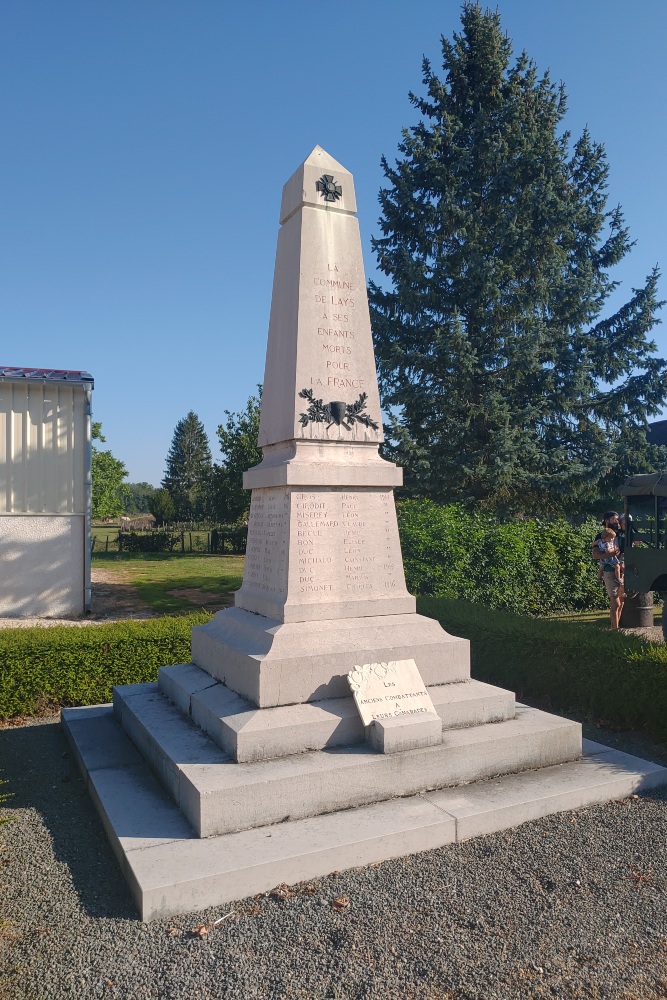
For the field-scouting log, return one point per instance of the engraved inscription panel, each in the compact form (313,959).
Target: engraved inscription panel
(389,691)
(266,552)
(345,545)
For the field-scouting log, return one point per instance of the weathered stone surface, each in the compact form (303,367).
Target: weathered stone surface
(389,688)
(400,732)
(272,663)
(169,870)
(218,795)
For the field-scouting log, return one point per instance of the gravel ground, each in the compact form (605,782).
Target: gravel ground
(570,906)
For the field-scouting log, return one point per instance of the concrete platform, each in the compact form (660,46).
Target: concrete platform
(218,795)
(247,733)
(170,870)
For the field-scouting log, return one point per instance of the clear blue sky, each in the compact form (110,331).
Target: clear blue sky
(145,144)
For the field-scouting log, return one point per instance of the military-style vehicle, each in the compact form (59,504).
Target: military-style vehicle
(646,536)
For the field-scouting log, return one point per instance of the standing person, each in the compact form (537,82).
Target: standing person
(614,588)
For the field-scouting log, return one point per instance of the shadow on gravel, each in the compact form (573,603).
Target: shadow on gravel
(41,775)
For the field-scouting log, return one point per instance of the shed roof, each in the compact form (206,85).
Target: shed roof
(46,375)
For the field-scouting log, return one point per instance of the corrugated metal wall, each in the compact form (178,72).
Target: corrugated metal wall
(42,448)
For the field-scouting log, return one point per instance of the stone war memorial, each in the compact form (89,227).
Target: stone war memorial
(322,724)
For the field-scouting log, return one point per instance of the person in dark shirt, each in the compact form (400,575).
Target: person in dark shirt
(614,588)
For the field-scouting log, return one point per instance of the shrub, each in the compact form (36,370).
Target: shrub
(65,665)
(570,666)
(532,567)
(156,541)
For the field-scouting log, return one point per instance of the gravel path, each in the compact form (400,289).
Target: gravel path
(571,906)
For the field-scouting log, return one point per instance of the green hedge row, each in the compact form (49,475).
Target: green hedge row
(63,665)
(533,567)
(599,675)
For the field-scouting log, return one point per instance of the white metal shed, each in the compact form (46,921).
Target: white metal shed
(45,492)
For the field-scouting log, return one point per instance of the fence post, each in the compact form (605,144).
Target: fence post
(106,547)
(190,533)
(182,541)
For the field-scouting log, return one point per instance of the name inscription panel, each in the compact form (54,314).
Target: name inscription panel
(266,552)
(345,546)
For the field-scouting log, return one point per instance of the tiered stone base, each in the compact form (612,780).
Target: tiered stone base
(171,870)
(253,767)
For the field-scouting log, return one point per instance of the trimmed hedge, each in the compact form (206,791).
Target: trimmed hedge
(621,680)
(532,567)
(66,665)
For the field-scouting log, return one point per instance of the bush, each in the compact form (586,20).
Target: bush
(532,567)
(156,541)
(64,665)
(570,666)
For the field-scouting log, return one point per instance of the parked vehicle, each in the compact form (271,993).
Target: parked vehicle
(645,499)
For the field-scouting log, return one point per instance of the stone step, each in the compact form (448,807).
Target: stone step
(217,795)
(249,734)
(169,870)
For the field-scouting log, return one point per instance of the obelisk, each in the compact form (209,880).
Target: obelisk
(323,553)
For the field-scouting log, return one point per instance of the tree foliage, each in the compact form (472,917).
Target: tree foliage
(138,495)
(161,506)
(189,467)
(240,451)
(508,380)
(108,490)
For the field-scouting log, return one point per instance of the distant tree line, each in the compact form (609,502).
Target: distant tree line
(195,488)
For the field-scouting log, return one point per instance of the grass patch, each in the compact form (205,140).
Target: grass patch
(156,575)
(610,678)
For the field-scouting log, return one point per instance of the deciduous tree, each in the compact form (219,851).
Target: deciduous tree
(108,473)
(240,451)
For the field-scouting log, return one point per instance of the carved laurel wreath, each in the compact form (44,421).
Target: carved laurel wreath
(360,676)
(342,414)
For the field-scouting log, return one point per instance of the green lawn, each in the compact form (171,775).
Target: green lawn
(204,581)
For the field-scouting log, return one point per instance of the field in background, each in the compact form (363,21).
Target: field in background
(174,583)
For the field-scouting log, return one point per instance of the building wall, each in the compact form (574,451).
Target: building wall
(42,560)
(44,498)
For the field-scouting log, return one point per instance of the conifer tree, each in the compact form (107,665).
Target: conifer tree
(508,380)
(188,472)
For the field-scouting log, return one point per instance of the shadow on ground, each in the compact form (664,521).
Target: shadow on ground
(41,774)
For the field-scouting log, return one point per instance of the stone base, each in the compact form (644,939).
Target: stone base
(247,733)
(401,733)
(286,663)
(170,870)
(217,795)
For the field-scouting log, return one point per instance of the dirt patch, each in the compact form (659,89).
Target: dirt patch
(114,599)
(651,632)
(202,598)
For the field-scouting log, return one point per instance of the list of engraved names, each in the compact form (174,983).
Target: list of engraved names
(345,543)
(266,552)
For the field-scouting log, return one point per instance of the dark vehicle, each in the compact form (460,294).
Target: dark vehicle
(646,536)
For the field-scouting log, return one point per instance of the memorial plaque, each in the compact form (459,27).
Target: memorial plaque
(389,690)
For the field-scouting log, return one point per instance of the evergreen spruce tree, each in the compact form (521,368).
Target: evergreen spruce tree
(188,472)
(508,382)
